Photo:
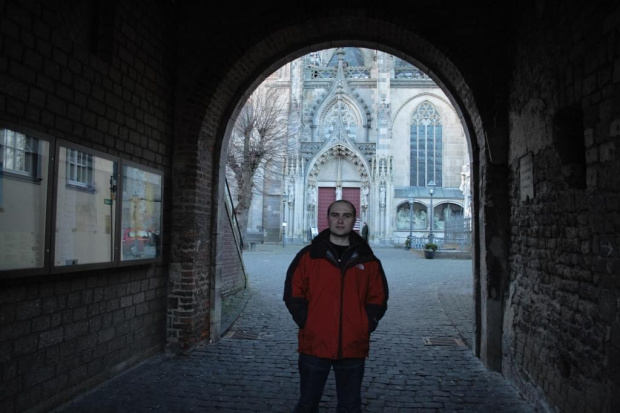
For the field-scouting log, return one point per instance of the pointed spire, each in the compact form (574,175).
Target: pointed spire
(339,132)
(340,78)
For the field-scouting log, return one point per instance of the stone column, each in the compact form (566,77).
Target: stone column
(492,275)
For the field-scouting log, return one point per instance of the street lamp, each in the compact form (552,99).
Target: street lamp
(284,199)
(431,191)
(410,220)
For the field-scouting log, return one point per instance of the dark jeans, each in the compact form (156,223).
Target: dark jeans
(313,373)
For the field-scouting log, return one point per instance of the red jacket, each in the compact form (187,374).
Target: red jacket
(336,304)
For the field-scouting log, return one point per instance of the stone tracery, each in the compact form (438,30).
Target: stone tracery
(340,154)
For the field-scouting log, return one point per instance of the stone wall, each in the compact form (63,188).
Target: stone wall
(562,340)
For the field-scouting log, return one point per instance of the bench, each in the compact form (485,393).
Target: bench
(253,238)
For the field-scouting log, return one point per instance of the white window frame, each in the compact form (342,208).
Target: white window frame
(79,169)
(11,153)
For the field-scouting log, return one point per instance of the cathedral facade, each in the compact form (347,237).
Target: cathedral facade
(370,128)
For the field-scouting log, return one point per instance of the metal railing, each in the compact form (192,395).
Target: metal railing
(329,72)
(410,73)
(417,243)
(234,224)
(457,234)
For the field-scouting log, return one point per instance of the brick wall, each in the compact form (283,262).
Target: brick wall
(562,341)
(64,334)
(233,272)
(134,83)
(107,85)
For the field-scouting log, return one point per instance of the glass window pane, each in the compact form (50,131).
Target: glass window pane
(9,156)
(23,204)
(79,165)
(20,161)
(84,231)
(20,142)
(10,138)
(141,214)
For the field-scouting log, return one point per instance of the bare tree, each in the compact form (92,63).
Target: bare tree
(258,146)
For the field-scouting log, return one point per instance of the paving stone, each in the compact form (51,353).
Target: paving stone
(257,371)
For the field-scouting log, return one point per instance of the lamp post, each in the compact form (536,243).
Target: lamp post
(431,191)
(410,220)
(284,199)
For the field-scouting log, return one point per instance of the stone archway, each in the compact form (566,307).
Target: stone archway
(209,97)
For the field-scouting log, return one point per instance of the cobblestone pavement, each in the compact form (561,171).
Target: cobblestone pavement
(253,368)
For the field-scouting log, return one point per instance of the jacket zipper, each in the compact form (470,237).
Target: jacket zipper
(342,272)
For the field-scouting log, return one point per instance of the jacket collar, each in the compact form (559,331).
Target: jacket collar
(319,247)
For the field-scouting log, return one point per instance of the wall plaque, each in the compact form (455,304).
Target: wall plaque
(526,182)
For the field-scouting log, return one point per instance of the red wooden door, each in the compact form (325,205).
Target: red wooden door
(353,196)
(327,195)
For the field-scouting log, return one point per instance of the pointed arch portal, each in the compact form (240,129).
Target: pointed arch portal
(205,138)
(339,172)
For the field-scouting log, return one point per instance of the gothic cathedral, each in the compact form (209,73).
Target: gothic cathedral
(371,128)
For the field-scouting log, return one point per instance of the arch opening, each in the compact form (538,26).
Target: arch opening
(298,225)
(247,72)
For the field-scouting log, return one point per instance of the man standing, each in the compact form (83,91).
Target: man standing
(337,292)
(365,232)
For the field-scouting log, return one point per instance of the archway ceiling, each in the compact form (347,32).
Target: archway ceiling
(410,31)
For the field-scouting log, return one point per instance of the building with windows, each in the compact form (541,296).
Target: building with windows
(371,128)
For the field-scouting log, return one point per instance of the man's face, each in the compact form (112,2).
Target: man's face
(341,219)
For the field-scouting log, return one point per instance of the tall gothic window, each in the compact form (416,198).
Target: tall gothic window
(426,149)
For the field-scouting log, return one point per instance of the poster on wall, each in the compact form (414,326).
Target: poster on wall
(64,206)
(24,181)
(84,207)
(141,215)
